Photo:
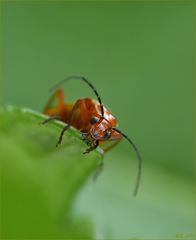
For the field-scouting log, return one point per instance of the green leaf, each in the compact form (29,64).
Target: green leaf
(39,182)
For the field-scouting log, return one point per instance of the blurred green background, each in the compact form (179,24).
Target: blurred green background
(140,57)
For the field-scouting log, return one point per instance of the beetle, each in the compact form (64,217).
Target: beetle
(96,123)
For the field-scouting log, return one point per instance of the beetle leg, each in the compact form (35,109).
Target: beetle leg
(110,146)
(71,119)
(85,138)
(98,170)
(49,109)
(62,133)
(50,119)
(94,146)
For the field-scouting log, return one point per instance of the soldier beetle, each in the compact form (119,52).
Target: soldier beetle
(91,118)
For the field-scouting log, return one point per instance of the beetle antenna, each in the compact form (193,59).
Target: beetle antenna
(139,161)
(86,81)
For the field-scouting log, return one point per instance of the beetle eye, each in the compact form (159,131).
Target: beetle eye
(94,120)
(107,135)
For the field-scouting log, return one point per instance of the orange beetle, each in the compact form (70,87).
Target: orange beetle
(96,123)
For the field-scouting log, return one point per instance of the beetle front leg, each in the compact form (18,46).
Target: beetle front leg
(72,117)
(93,147)
(62,133)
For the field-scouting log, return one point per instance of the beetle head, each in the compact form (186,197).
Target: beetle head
(101,129)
